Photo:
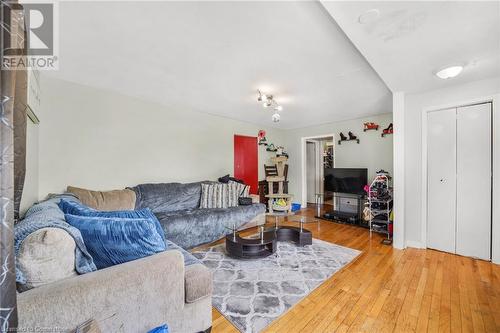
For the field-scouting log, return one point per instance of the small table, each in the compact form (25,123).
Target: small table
(301,219)
(263,243)
(299,235)
(254,246)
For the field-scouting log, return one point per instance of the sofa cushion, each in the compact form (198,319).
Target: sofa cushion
(76,208)
(105,200)
(193,227)
(217,195)
(197,282)
(168,197)
(242,190)
(112,241)
(45,256)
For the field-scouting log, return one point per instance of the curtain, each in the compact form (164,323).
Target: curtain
(19,121)
(10,102)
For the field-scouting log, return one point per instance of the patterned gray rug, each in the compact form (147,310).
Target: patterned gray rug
(253,293)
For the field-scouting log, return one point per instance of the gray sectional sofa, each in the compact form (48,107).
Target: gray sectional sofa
(176,206)
(171,287)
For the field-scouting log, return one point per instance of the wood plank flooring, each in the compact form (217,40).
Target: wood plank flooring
(389,290)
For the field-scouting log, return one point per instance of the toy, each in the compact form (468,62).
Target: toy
(388,130)
(370,126)
(262,137)
(271,148)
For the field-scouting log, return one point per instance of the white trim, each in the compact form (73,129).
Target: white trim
(495,213)
(495,218)
(303,163)
(319,164)
(414,244)
(398,119)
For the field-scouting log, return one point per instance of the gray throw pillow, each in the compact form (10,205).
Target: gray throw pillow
(46,255)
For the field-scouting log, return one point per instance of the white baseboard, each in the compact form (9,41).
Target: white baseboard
(415,244)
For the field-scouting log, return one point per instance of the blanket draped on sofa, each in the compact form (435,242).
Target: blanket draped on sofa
(47,214)
(177,205)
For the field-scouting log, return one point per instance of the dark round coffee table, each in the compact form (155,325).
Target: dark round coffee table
(263,244)
(255,246)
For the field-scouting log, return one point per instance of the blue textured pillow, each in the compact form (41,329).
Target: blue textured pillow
(112,241)
(77,208)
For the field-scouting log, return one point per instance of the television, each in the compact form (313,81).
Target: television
(346,180)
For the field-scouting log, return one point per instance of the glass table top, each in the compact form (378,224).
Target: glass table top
(271,224)
(230,225)
(302,219)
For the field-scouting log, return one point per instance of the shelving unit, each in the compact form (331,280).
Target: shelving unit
(328,156)
(273,204)
(380,204)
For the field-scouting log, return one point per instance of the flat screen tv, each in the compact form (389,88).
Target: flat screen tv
(346,180)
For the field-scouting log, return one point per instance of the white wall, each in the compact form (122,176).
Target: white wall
(414,105)
(373,151)
(103,140)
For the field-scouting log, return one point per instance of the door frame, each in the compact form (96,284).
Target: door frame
(303,163)
(317,164)
(495,200)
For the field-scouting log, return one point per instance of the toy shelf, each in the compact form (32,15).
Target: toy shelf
(379,200)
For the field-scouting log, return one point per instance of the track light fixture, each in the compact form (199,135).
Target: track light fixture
(269,101)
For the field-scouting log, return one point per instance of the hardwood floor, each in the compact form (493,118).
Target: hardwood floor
(389,290)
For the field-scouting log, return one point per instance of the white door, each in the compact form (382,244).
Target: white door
(474,181)
(311,171)
(441,180)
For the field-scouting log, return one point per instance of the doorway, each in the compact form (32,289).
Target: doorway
(318,154)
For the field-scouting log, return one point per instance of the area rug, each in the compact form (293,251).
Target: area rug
(251,294)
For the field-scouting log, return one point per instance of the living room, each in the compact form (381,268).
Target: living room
(262,166)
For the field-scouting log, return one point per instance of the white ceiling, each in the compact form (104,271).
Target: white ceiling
(411,40)
(213,56)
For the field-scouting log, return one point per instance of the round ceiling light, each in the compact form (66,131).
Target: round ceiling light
(449,72)
(369,16)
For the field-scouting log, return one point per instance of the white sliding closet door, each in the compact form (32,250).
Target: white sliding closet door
(441,180)
(474,181)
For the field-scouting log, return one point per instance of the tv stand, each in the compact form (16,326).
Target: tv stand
(347,208)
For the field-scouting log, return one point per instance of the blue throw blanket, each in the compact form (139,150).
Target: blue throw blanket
(47,214)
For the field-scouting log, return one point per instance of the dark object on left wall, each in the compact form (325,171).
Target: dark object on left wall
(226,179)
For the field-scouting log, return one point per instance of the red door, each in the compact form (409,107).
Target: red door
(246,161)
